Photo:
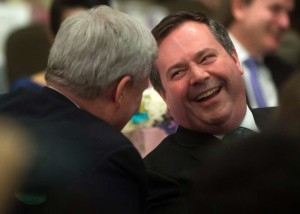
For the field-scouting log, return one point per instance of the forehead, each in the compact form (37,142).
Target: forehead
(283,4)
(188,29)
(188,35)
(185,41)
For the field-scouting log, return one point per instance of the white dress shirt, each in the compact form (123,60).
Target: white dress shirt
(248,122)
(269,90)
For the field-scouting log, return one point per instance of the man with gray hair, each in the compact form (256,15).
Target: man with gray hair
(98,67)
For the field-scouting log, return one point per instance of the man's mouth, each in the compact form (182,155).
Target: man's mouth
(208,94)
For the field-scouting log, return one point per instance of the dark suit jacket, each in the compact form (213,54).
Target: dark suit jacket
(280,70)
(171,166)
(82,164)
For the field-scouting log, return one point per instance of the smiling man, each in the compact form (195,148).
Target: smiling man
(199,76)
(256,28)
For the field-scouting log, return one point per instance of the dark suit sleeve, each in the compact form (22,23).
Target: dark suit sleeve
(126,180)
(280,70)
(170,169)
(165,195)
(121,180)
(167,180)
(115,185)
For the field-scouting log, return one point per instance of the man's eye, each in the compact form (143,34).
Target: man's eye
(275,9)
(208,59)
(177,74)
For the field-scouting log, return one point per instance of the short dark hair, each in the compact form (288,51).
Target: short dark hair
(173,21)
(226,16)
(58,7)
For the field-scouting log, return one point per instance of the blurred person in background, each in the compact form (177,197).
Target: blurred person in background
(289,49)
(16,155)
(256,28)
(148,12)
(208,7)
(59,11)
(12,16)
(62,9)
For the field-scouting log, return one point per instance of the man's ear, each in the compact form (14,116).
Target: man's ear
(237,9)
(121,88)
(235,57)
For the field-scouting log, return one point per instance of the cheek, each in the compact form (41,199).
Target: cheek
(175,99)
(256,24)
(180,85)
(176,90)
(267,22)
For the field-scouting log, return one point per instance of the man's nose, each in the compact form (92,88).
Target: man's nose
(198,74)
(283,20)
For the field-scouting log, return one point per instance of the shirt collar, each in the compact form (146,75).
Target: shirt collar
(241,51)
(248,122)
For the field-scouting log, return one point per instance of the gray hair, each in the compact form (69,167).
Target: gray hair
(173,21)
(96,47)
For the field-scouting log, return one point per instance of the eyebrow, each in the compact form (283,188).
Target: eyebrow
(175,66)
(202,52)
(199,54)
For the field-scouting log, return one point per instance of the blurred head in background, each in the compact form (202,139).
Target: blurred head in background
(257,25)
(61,9)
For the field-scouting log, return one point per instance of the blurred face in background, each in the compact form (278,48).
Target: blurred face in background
(262,23)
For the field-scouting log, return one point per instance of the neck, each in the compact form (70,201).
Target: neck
(101,107)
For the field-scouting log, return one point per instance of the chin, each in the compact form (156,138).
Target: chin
(227,113)
(219,118)
(272,46)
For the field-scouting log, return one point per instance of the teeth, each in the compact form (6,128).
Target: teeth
(207,94)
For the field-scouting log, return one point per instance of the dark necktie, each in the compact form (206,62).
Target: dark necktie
(237,134)
(252,66)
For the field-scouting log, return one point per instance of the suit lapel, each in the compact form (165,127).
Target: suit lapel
(279,69)
(262,117)
(196,143)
